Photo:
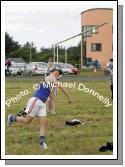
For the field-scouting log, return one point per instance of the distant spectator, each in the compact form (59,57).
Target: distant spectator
(95,65)
(51,103)
(108,70)
(8,64)
(50,65)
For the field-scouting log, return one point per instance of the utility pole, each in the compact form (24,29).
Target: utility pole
(57,54)
(82,50)
(31,46)
(65,55)
(54,52)
(30,54)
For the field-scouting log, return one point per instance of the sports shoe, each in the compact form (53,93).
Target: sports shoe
(43,146)
(11,119)
(9,122)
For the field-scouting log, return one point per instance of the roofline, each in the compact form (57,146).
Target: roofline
(96,9)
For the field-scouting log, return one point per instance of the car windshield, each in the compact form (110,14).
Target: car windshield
(40,64)
(68,65)
(13,66)
(19,66)
(59,65)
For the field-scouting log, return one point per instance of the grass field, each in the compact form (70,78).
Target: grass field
(79,140)
(91,73)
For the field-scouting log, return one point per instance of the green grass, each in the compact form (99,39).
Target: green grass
(91,73)
(80,140)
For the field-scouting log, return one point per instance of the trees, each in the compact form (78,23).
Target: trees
(10,45)
(13,49)
(27,49)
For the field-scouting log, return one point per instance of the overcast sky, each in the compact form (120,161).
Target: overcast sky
(45,24)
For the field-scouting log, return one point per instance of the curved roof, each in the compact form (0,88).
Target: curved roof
(96,9)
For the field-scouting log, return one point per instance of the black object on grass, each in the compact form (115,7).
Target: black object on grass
(73,122)
(109,146)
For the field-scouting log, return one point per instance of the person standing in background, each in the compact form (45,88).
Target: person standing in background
(51,103)
(8,64)
(108,71)
(50,66)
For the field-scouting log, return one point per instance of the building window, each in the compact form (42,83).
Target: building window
(96,47)
(84,28)
(95,30)
(89,33)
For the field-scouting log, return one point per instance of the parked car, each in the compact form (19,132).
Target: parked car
(36,68)
(91,65)
(88,67)
(74,69)
(20,68)
(13,70)
(64,69)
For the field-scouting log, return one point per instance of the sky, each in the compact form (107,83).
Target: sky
(46,23)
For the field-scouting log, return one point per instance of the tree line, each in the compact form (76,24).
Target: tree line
(14,50)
